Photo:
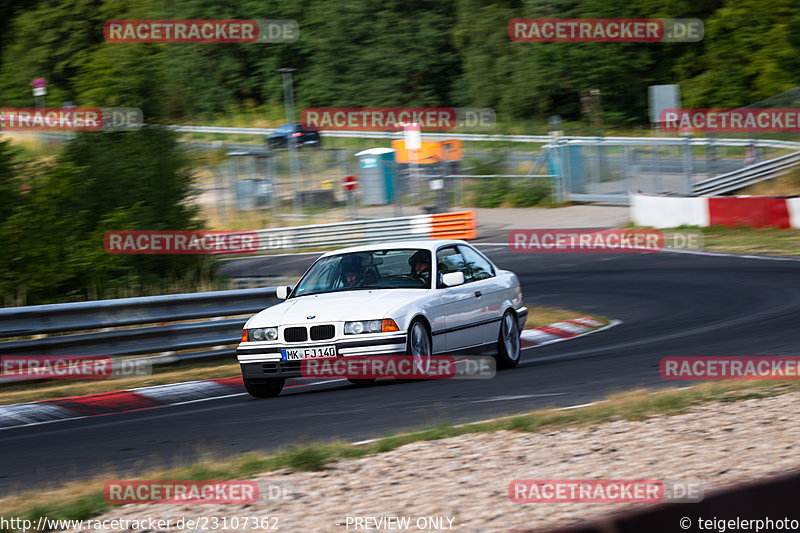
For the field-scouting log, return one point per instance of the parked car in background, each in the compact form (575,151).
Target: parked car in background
(304,135)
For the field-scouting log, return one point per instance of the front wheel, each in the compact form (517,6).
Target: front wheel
(419,347)
(361,382)
(264,389)
(508,342)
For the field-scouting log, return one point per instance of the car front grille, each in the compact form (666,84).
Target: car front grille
(297,334)
(320,333)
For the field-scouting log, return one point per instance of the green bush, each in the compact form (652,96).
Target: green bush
(490,192)
(494,192)
(528,193)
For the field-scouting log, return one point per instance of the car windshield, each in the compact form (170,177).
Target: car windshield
(374,269)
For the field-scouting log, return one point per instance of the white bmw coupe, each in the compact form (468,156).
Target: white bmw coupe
(417,298)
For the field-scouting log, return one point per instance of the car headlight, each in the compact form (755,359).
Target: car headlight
(370,326)
(262,334)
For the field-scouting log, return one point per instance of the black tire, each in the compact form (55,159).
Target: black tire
(361,382)
(264,389)
(508,342)
(418,339)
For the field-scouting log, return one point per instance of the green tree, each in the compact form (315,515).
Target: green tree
(751,54)
(53,243)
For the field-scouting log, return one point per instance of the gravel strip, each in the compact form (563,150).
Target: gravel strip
(466,478)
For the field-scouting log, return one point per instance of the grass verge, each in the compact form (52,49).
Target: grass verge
(770,241)
(84,499)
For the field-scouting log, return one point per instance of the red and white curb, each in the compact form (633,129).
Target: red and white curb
(561,331)
(46,411)
(29,414)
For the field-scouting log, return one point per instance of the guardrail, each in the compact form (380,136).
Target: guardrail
(459,225)
(538,139)
(217,333)
(738,179)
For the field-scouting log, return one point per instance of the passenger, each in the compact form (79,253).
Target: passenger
(420,264)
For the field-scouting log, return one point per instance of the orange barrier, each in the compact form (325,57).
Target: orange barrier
(461,225)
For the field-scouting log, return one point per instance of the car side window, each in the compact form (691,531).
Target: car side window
(476,267)
(448,260)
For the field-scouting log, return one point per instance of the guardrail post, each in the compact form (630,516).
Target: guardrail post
(687,164)
(628,168)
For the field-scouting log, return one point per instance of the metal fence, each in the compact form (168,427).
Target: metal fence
(595,168)
(608,169)
(583,168)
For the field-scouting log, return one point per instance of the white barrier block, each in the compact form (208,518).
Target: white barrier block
(793,206)
(668,212)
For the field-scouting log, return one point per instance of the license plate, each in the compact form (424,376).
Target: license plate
(295,354)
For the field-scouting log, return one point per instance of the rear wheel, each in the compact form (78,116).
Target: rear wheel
(508,342)
(419,346)
(264,389)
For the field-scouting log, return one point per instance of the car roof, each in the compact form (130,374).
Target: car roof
(425,244)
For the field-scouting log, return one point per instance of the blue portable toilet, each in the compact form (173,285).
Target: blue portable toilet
(376,176)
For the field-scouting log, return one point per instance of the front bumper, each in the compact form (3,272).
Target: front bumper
(259,361)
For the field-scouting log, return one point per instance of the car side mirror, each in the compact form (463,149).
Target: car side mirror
(451,279)
(282,292)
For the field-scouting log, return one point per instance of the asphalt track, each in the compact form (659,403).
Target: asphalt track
(671,304)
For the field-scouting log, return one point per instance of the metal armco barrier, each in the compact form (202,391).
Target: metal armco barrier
(53,318)
(153,337)
(539,139)
(460,225)
(738,179)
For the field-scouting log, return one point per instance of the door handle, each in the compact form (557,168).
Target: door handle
(478,294)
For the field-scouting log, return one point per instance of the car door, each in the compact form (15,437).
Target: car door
(460,305)
(480,276)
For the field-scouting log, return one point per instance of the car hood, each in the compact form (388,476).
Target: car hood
(337,306)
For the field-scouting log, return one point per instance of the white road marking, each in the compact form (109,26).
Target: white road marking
(518,397)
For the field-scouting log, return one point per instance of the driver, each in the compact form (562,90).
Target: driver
(420,264)
(352,271)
